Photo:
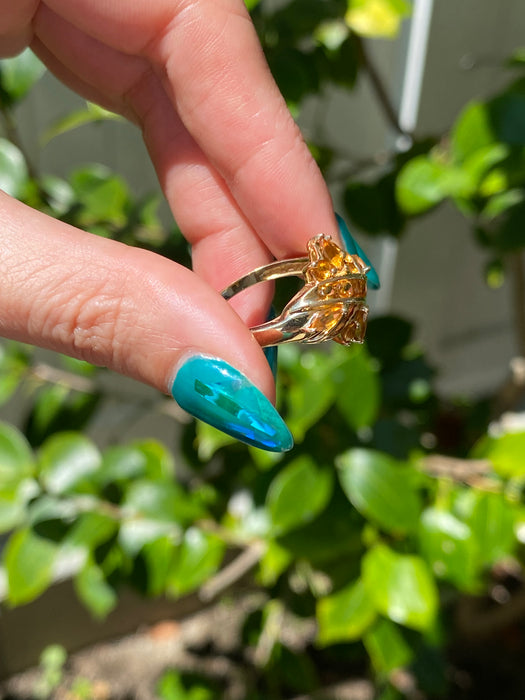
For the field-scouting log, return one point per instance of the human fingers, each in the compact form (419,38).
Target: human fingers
(139,314)
(15,25)
(210,61)
(224,244)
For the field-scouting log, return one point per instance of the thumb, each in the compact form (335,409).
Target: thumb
(139,314)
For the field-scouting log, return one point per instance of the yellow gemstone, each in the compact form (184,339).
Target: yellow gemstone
(319,270)
(326,318)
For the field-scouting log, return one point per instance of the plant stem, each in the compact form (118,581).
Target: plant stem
(379,88)
(518,291)
(11,132)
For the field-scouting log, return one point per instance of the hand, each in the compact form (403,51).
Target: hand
(234,168)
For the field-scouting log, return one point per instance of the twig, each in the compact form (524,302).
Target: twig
(518,289)
(347,690)
(475,622)
(52,375)
(510,395)
(12,135)
(234,571)
(473,472)
(380,91)
(270,634)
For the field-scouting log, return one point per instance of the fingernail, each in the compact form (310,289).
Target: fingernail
(272,351)
(215,392)
(353,247)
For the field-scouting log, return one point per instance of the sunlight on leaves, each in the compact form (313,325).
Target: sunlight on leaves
(377,18)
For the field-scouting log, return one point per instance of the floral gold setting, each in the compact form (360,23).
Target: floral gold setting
(330,306)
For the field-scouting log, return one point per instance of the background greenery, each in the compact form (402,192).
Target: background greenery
(395,525)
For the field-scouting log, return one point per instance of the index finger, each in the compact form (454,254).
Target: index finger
(214,71)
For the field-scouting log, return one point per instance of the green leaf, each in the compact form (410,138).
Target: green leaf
(158,556)
(13,169)
(401,587)
(472,132)
(449,548)
(16,458)
(381,488)
(358,394)
(67,462)
(175,685)
(372,207)
(103,196)
(58,408)
(160,463)
(334,536)
(419,185)
(311,391)
(482,162)
(19,74)
(397,330)
(298,494)
(121,464)
(60,197)
(135,533)
(500,202)
(12,511)
(492,523)
(161,500)
(332,34)
(93,113)
(274,562)
(507,117)
(210,440)
(13,366)
(94,591)
(197,558)
(92,529)
(387,647)
(507,453)
(294,72)
(345,615)
(28,561)
(376,18)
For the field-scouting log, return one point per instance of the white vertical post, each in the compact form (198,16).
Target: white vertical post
(408,113)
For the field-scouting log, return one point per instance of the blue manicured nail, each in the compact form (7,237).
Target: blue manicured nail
(353,247)
(271,356)
(272,351)
(215,392)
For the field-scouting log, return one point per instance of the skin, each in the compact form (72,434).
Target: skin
(232,164)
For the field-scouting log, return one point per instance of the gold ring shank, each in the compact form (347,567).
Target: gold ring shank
(330,306)
(271,271)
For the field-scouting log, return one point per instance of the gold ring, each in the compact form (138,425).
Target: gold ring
(330,306)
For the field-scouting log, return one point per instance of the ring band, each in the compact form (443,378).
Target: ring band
(330,306)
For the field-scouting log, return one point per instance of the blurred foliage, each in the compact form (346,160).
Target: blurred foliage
(395,506)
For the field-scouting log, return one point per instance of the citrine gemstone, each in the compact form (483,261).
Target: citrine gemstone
(339,280)
(328,318)
(328,260)
(354,328)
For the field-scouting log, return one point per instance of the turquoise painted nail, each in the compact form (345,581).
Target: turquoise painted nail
(215,392)
(353,247)
(271,352)
(271,356)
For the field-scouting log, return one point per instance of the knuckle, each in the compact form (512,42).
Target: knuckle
(90,324)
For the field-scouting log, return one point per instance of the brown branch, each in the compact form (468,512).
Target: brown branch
(12,135)
(518,293)
(379,89)
(346,690)
(232,572)
(473,472)
(475,621)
